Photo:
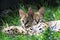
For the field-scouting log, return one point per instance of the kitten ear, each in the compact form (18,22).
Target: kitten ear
(42,10)
(30,12)
(21,13)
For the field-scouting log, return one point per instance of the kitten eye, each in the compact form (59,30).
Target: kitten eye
(31,29)
(40,29)
(11,29)
(8,30)
(23,21)
(27,21)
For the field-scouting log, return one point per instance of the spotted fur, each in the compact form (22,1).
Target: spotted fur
(13,30)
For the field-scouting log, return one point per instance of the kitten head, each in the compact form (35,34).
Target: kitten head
(26,19)
(39,16)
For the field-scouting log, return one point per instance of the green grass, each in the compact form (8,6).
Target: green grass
(14,19)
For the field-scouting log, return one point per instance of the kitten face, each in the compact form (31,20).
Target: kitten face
(38,29)
(26,19)
(42,27)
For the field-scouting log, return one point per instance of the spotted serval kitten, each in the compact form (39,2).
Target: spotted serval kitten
(31,18)
(38,18)
(33,21)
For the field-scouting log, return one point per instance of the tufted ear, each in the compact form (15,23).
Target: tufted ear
(30,12)
(21,13)
(42,10)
